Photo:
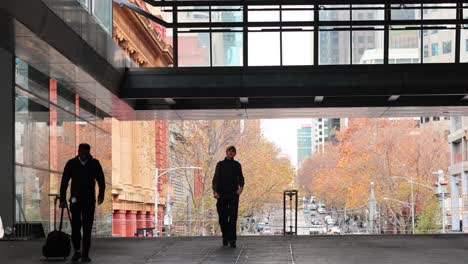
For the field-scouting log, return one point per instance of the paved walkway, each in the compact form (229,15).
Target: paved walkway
(266,250)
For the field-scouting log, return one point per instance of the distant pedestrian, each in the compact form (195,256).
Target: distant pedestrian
(84,171)
(228,184)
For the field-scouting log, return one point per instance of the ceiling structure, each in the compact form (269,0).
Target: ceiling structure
(315,89)
(242,90)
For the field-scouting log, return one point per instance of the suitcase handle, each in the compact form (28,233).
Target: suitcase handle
(57,198)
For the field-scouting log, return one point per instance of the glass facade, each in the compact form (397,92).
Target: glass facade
(280,35)
(50,122)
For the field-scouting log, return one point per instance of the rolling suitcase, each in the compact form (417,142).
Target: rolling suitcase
(57,243)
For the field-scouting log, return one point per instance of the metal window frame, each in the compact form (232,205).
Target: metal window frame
(318,25)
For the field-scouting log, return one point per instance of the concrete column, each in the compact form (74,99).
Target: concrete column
(464,182)
(7,137)
(455,203)
(131,223)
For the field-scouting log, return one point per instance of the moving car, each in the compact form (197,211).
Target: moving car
(321,210)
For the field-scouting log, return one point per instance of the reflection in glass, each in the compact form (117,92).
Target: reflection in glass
(464,45)
(441,46)
(334,13)
(187,16)
(102,10)
(404,46)
(334,47)
(368,14)
(32,188)
(368,47)
(194,49)
(298,48)
(406,12)
(264,48)
(227,48)
(233,15)
(31,130)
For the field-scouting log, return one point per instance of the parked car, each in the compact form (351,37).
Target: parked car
(330,221)
(321,210)
(336,230)
(317,230)
(260,226)
(267,231)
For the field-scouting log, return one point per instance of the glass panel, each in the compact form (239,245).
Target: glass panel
(263,15)
(32,201)
(368,14)
(32,80)
(201,14)
(103,152)
(334,47)
(65,98)
(264,48)
(226,16)
(86,133)
(194,49)
(334,12)
(404,46)
(293,13)
(441,45)
(298,48)
(64,137)
(102,10)
(439,13)
(406,12)
(464,45)
(227,48)
(31,130)
(368,47)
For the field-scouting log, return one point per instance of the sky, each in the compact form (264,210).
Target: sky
(283,133)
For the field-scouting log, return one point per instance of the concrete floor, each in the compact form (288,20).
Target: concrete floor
(268,250)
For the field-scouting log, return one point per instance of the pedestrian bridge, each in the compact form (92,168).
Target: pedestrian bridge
(256,249)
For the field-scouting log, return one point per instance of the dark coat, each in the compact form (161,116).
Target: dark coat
(228,177)
(84,177)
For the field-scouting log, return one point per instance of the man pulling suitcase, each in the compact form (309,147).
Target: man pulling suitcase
(84,171)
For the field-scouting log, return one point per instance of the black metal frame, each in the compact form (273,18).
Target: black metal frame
(290,194)
(386,24)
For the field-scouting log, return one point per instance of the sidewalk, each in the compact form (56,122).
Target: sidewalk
(267,250)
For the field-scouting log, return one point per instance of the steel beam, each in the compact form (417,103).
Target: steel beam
(296,81)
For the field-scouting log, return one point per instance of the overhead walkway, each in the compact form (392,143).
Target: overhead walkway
(267,250)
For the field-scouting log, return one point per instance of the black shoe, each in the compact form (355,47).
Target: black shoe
(85,259)
(233,243)
(225,242)
(76,256)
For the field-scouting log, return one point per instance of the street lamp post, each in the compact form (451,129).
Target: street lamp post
(409,206)
(156,195)
(411,182)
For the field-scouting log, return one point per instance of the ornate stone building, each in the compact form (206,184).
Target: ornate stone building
(138,147)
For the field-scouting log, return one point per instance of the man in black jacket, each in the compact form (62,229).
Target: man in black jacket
(228,184)
(84,171)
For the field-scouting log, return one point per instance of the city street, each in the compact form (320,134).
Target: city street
(261,249)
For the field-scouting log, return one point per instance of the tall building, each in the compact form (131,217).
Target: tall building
(458,173)
(304,143)
(325,131)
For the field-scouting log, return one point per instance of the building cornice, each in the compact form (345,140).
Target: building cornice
(136,35)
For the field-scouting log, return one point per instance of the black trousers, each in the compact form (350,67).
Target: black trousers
(227,207)
(82,216)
